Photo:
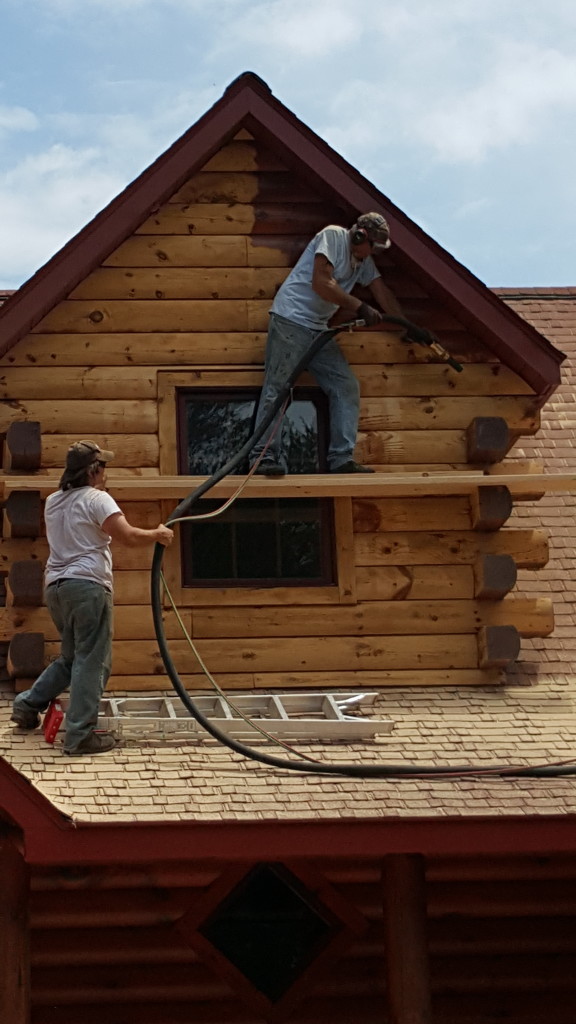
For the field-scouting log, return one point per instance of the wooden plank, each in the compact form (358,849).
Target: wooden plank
(124,558)
(137,487)
(83,417)
(244,156)
(131,450)
(141,657)
(380,379)
(366,355)
(19,550)
(529,548)
(532,618)
(160,683)
(312,681)
(145,514)
(131,622)
(245,187)
(239,219)
(433,513)
(147,315)
(403,447)
(447,413)
(208,251)
(386,347)
(366,680)
(102,382)
(131,587)
(222,597)
(180,251)
(181,283)
(159,349)
(414,582)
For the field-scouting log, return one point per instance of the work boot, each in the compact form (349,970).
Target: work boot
(25,716)
(351,467)
(95,743)
(268,467)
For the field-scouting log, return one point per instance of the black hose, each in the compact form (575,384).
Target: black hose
(371,771)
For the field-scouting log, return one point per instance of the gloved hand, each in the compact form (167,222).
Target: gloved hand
(370,315)
(419,335)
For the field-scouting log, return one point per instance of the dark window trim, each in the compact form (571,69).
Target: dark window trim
(327,574)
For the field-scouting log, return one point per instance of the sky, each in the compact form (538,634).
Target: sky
(462,112)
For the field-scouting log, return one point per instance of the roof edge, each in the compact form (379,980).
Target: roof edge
(137,842)
(248,101)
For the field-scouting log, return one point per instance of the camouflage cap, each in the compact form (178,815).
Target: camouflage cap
(82,454)
(376,227)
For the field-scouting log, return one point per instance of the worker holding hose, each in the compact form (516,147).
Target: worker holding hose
(81,520)
(334,262)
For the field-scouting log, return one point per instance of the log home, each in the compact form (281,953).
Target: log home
(417,900)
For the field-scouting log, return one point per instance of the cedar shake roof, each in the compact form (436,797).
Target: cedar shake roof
(248,103)
(531,720)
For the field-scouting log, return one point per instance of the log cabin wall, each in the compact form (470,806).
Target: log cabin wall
(423,591)
(121,943)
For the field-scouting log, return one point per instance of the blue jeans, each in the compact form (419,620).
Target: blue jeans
(286,344)
(82,613)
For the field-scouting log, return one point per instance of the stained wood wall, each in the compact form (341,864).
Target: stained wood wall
(190,292)
(501,935)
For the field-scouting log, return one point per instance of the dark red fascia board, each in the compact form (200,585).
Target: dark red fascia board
(23,806)
(248,102)
(233,841)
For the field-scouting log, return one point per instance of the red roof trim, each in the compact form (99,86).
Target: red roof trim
(23,805)
(249,102)
(141,842)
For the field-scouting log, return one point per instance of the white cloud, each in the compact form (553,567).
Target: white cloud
(526,87)
(17,119)
(445,104)
(310,29)
(45,199)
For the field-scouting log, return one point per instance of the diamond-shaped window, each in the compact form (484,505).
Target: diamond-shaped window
(270,928)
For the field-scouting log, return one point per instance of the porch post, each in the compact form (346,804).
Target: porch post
(407,969)
(14,931)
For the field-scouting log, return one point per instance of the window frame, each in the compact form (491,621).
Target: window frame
(323,508)
(342,591)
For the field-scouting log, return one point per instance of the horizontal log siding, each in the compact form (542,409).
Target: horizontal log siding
(106,943)
(189,292)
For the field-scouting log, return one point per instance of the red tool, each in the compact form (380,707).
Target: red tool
(52,721)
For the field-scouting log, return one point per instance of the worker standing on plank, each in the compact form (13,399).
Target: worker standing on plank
(81,521)
(334,262)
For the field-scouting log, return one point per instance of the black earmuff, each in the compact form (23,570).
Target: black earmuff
(359,235)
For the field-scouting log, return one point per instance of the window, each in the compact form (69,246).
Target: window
(176,389)
(271,929)
(258,541)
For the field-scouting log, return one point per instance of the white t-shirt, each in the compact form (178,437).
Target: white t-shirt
(78,545)
(297,301)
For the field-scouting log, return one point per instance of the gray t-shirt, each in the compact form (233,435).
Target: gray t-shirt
(297,301)
(79,548)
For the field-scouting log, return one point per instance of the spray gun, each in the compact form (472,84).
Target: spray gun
(419,336)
